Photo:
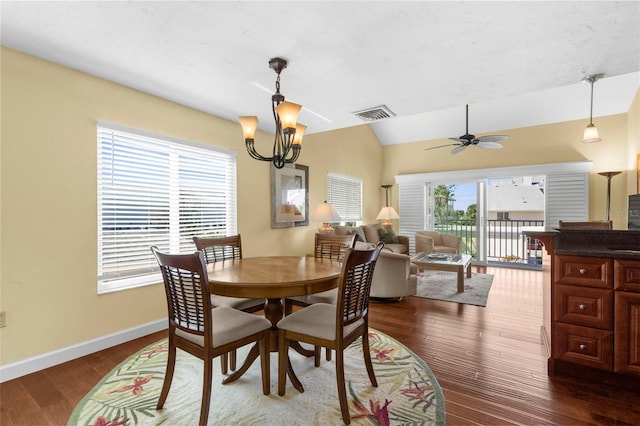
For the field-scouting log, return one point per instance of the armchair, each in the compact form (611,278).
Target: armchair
(437,242)
(394,276)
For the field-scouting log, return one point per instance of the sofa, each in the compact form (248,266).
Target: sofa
(372,233)
(437,242)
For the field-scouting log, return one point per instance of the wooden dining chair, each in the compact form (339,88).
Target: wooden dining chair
(204,331)
(595,224)
(332,247)
(335,326)
(224,249)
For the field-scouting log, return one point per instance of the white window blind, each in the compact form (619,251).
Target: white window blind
(345,194)
(156,190)
(566,198)
(413,210)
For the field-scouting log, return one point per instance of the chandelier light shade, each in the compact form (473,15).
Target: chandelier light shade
(288,138)
(591,132)
(387,213)
(325,213)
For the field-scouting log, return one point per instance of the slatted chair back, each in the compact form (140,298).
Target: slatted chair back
(355,285)
(185,282)
(219,249)
(596,224)
(333,247)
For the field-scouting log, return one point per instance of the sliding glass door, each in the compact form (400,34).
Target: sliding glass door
(460,209)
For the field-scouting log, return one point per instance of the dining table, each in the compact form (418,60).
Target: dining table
(272,278)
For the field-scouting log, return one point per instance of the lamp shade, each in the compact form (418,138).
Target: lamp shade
(591,134)
(297,139)
(288,113)
(387,213)
(325,212)
(249,125)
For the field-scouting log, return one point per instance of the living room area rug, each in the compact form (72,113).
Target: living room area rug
(407,392)
(443,285)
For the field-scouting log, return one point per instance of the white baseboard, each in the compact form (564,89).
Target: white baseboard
(40,362)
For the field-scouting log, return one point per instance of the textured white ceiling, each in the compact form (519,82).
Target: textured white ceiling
(516,63)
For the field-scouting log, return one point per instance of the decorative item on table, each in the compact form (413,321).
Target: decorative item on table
(325,213)
(387,213)
(288,136)
(438,256)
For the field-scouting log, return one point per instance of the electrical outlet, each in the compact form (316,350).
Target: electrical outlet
(3,319)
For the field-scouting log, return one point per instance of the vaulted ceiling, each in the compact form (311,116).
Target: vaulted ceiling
(516,63)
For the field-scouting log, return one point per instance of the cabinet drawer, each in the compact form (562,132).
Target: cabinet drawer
(589,307)
(626,275)
(585,346)
(584,270)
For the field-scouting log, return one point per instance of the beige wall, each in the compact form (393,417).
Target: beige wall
(551,143)
(48,207)
(48,191)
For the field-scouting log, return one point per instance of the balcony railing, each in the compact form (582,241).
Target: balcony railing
(506,243)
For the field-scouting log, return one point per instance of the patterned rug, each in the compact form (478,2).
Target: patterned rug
(443,286)
(407,392)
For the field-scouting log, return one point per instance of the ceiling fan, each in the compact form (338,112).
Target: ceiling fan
(487,142)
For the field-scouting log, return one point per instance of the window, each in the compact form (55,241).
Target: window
(345,193)
(156,190)
(503,216)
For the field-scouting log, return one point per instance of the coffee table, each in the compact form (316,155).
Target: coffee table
(458,263)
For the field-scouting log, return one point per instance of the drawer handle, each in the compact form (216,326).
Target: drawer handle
(582,307)
(583,347)
(582,271)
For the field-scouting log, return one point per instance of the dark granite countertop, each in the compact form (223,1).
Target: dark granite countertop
(620,244)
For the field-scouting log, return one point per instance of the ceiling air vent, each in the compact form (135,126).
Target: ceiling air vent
(376,113)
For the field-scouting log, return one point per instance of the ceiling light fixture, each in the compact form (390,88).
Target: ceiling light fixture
(288,137)
(591,132)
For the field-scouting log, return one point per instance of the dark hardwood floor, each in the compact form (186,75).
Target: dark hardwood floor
(489,361)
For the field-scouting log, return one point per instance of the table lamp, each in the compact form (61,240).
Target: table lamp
(325,213)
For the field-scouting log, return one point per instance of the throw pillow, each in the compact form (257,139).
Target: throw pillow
(388,237)
(359,235)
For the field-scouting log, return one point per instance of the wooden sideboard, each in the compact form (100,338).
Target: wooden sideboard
(591,325)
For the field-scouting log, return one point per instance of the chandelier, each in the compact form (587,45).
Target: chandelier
(288,138)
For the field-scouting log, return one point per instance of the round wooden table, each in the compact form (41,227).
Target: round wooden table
(272,278)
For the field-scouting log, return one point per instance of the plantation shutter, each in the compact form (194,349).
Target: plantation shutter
(566,198)
(345,194)
(413,212)
(155,190)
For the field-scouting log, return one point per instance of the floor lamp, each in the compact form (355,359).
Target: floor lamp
(609,175)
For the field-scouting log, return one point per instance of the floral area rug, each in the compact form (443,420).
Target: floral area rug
(407,392)
(443,285)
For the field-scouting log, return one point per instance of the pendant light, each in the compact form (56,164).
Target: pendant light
(591,132)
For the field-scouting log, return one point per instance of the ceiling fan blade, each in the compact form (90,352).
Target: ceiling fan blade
(492,138)
(488,145)
(442,146)
(457,140)
(458,149)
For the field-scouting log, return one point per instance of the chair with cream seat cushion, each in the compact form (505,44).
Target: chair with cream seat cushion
(335,326)
(331,247)
(225,249)
(202,330)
